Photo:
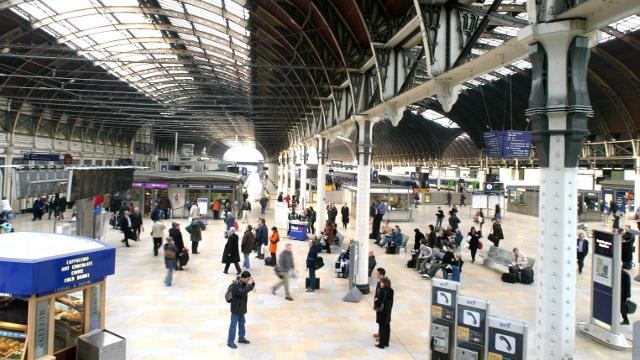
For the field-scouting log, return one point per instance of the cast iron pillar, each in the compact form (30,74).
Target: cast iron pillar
(285,173)
(304,156)
(322,147)
(559,108)
(364,147)
(292,172)
(280,173)
(636,186)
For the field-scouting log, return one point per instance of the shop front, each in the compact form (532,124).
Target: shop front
(51,295)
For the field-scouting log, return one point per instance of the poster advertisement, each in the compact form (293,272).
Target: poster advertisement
(602,270)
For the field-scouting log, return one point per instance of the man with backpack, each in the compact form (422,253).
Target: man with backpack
(237,295)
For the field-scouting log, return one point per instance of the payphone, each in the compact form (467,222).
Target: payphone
(444,295)
(507,339)
(471,340)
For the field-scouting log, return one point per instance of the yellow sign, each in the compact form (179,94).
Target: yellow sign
(494,356)
(463,333)
(436,311)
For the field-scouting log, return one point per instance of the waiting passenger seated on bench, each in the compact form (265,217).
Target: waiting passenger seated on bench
(424,256)
(342,263)
(445,264)
(519,259)
(385,230)
(395,237)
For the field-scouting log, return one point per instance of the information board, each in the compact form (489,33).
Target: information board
(511,144)
(604,269)
(479,201)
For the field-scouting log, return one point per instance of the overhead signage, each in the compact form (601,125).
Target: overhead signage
(413,176)
(336,162)
(41,157)
(244,171)
(511,144)
(150,185)
(40,269)
(206,186)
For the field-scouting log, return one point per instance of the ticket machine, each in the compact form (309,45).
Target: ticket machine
(471,339)
(507,339)
(444,294)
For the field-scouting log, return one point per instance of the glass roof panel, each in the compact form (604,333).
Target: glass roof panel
(132,46)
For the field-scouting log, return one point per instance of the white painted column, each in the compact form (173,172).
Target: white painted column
(364,147)
(303,177)
(558,110)
(285,172)
(292,171)
(439,176)
(323,153)
(636,186)
(280,175)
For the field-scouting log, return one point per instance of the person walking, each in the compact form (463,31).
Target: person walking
(239,293)
(383,304)
(454,221)
(62,205)
(474,243)
(246,210)
(230,221)
(328,233)
(463,197)
(625,294)
(582,251)
(6,208)
(273,244)
(136,224)
(248,243)
(194,211)
(332,213)
(126,226)
(283,271)
(449,197)
(439,217)
(52,207)
(38,208)
(280,197)
(497,212)
(263,204)
(344,212)
(496,233)
(262,237)
(216,209)
(176,235)
(312,257)
(157,233)
(170,259)
(311,217)
(231,255)
(479,219)
(195,231)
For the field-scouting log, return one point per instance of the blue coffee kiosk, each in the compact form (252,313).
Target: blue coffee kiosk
(52,290)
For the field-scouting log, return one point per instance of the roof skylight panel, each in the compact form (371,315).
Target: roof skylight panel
(236,9)
(507,30)
(206,14)
(131,18)
(34,11)
(489,77)
(180,23)
(238,28)
(89,21)
(108,36)
(171,5)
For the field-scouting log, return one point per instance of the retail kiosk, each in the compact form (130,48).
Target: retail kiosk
(52,290)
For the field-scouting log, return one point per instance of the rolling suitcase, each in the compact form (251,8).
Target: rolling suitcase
(510,278)
(306,283)
(267,261)
(184,258)
(526,275)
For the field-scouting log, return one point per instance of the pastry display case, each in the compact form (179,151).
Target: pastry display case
(50,294)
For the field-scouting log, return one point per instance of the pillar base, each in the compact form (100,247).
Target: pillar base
(364,288)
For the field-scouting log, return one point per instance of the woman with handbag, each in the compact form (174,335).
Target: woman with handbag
(383,304)
(474,242)
(312,257)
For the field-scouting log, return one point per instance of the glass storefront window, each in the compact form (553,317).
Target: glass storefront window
(69,320)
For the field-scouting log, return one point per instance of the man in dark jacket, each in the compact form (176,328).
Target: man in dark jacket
(240,289)
(247,246)
(628,239)
(418,239)
(439,217)
(176,234)
(449,197)
(625,293)
(582,247)
(126,226)
(311,218)
(136,223)
(453,221)
(262,237)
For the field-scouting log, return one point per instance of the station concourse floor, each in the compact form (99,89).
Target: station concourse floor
(190,319)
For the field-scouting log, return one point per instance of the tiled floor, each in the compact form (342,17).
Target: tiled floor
(190,319)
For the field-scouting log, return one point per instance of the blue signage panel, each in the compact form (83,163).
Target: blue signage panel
(56,273)
(298,231)
(374,175)
(493,143)
(621,200)
(41,157)
(603,273)
(244,171)
(413,176)
(511,144)
(517,144)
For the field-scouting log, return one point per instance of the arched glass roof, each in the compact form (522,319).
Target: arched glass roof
(164,48)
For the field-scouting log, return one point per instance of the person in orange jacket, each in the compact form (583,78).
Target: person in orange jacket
(273,244)
(216,209)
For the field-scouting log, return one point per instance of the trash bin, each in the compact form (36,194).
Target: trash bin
(101,344)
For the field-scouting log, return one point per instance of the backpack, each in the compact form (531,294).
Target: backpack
(169,253)
(189,228)
(228,296)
